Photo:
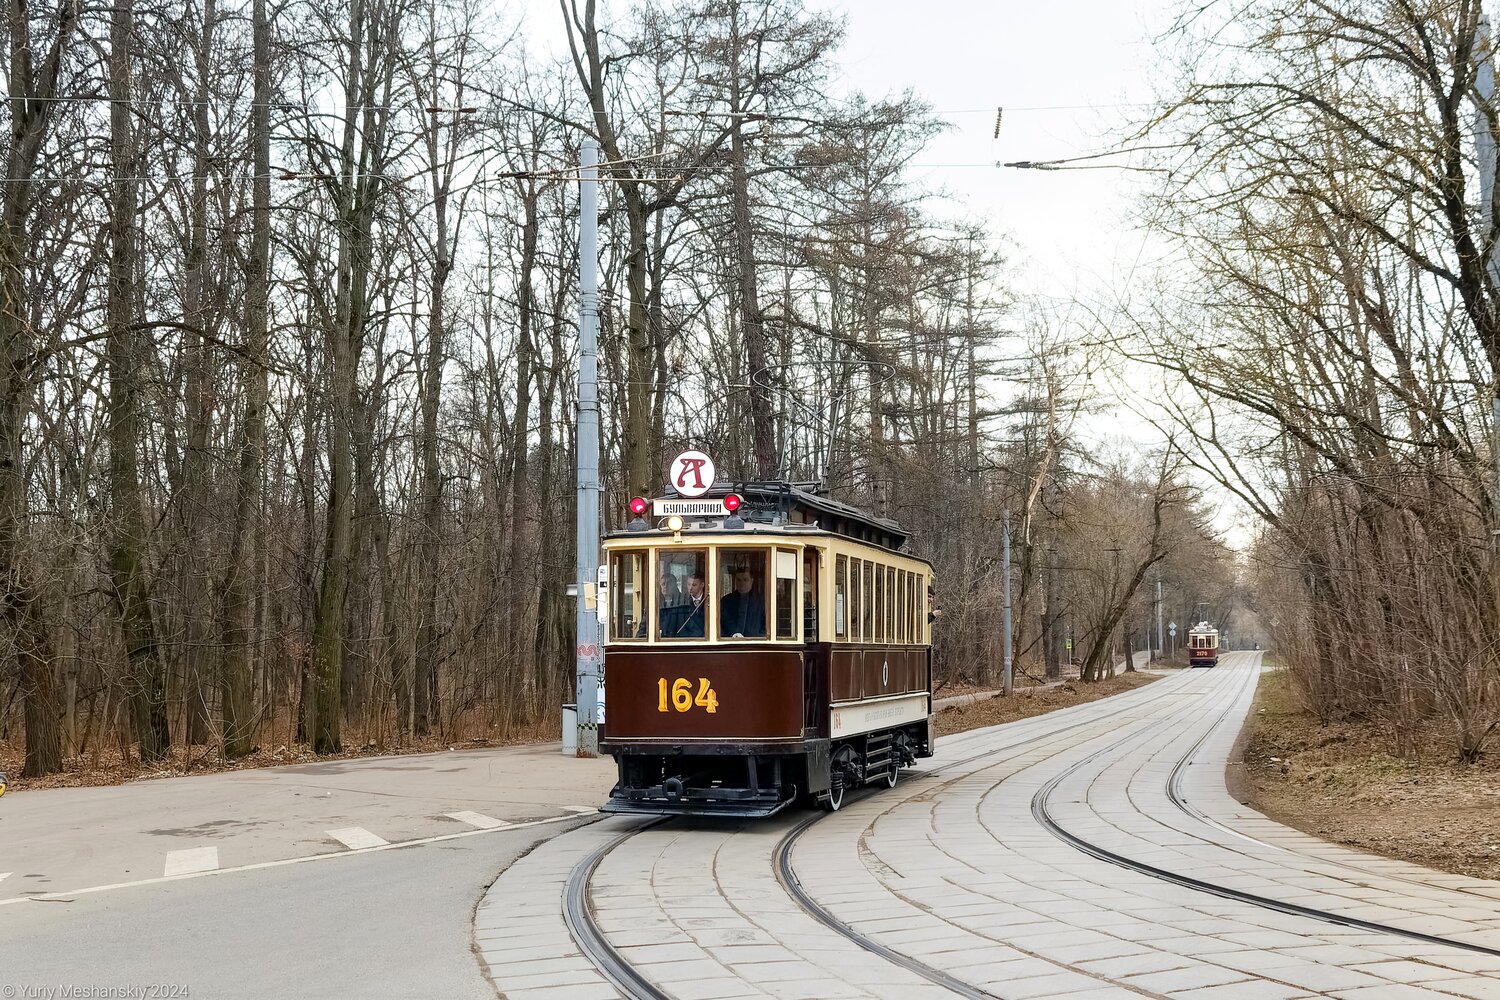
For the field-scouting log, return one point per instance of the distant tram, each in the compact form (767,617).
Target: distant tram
(1203,645)
(766,645)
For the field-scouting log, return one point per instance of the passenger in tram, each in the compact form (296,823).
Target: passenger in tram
(671,593)
(742,612)
(687,620)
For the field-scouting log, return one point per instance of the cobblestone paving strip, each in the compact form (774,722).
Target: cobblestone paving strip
(972,857)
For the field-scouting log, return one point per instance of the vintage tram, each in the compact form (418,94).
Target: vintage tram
(766,645)
(1203,645)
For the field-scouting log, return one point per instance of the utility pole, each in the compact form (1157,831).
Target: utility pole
(1008,679)
(1160,646)
(1484,154)
(589,651)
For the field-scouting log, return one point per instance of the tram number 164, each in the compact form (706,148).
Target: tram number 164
(682,697)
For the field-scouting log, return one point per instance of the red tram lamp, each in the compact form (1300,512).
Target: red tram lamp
(732,503)
(638,507)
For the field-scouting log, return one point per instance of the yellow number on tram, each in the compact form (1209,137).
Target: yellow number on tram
(682,696)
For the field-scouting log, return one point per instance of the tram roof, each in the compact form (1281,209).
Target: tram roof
(786,505)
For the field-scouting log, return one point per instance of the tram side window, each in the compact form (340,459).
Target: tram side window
(890,606)
(627,596)
(901,636)
(682,594)
(840,597)
(924,607)
(913,630)
(742,582)
(787,607)
(867,601)
(810,580)
(855,605)
(880,633)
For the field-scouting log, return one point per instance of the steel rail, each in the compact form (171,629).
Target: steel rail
(1176,796)
(1041,812)
(578,913)
(787,875)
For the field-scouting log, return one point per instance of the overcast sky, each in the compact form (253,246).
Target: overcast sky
(1082,63)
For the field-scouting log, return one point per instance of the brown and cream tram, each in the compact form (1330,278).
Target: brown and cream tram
(1203,645)
(774,648)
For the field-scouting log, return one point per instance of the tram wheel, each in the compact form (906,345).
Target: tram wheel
(835,800)
(891,775)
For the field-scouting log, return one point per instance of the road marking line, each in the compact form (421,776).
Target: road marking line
(357,838)
(195,859)
(279,863)
(478,819)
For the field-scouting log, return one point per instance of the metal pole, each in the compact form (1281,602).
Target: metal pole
(590,655)
(1484,155)
(1160,646)
(1008,679)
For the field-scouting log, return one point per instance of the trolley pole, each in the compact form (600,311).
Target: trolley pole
(589,652)
(1008,678)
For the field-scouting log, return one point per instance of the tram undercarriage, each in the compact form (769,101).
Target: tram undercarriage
(733,780)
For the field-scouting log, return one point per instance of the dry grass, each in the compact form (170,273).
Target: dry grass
(1344,783)
(1024,704)
(114,767)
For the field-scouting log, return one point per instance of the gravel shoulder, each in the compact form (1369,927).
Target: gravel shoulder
(1024,703)
(1343,782)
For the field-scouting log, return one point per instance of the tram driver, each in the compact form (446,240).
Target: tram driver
(742,611)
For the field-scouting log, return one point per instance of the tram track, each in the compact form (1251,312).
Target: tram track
(633,982)
(583,925)
(1041,811)
(593,943)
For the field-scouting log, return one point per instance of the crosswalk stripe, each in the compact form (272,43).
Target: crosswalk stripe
(194,859)
(355,838)
(478,819)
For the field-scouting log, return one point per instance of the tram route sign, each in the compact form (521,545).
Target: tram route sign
(688,508)
(691,474)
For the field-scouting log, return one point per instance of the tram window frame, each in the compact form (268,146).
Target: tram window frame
(924,608)
(730,559)
(890,605)
(856,605)
(880,604)
(901,606)
(638,630)
(812,578)
(913,630)
(867,603)
(841,597)
(700,562)
(781,559)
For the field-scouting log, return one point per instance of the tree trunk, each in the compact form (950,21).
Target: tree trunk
(31,87)
(235,673)
(128,541)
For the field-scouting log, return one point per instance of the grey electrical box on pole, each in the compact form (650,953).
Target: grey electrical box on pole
(1007,679)
(590,652)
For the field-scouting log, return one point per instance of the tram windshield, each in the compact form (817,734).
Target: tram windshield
(742,582)
(682,594)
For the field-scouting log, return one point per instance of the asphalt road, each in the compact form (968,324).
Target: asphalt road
(342,879)
(386,924)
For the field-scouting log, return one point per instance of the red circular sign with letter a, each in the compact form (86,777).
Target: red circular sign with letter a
(691,474)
